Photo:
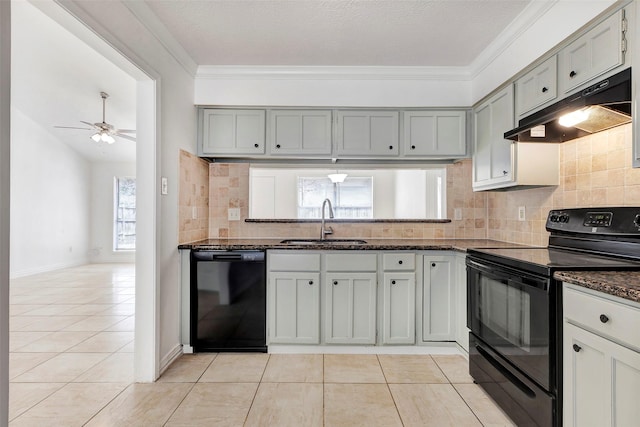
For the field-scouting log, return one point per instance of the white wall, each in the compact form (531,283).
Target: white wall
(102,205)
(50,200)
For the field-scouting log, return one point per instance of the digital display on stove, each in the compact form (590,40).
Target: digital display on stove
(597,219)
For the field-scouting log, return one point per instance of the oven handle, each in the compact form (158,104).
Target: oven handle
(511,276)
(512,378)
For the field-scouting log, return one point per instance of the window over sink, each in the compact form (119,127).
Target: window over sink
(281,192)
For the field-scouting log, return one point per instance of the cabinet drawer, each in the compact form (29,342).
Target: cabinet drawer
(351,262)
(588,310)
(293,262)
(400,261)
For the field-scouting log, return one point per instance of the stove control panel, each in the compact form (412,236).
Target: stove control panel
(609,220)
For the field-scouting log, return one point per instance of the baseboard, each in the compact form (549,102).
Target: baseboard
(170,357)
(47,268)
(439,348)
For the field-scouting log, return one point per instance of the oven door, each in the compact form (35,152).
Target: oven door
(509,310)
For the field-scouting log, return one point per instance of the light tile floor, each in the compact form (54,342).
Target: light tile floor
(71,365)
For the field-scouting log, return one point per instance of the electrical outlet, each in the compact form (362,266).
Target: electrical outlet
(164,186)
(521,213)
(194,213)
(457,214)
(234,214)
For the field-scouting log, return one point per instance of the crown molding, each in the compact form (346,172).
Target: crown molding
(225,72)
(150,21)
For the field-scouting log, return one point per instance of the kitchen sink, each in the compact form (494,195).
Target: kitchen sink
(324,242)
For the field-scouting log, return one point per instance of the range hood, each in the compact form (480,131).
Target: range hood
(601,106)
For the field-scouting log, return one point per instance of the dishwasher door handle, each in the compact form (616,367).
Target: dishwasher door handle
(215,256)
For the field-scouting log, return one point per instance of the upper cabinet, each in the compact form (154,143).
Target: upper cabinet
(300,132)
(434,133)
(230,132)
(596,52)
(367,133)
(537,87)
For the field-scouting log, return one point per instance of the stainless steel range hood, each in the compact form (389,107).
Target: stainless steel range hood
(601,106)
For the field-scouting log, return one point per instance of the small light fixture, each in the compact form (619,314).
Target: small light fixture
(575,117)
(337,178)
(103,136)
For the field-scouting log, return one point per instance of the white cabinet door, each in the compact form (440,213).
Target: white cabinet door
(350,308)
(228,132)
(460,278)
(537,87)
(593,54)
(300,132)
(294,307)
(601,381)
(492,154)
(399,319)
(438,299)
(367,133)
(434,133)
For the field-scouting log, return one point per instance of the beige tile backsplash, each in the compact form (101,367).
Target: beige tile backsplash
(594,171)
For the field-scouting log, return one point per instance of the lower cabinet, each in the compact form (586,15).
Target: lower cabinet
(438,302)
(350,308)
(295,308)
(601,366)
(399,316)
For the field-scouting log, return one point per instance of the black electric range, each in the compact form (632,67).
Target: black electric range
(514,306)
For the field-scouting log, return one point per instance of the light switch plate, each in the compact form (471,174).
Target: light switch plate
(521,213)
(457,214)
(194,212)
(164,186)
(234,214)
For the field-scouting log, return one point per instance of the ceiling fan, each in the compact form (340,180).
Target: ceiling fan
(104,131)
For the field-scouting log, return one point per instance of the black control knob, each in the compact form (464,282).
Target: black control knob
(576,348)
(604,318)
(636,220)
(572,74)
(564,218)
(553,218)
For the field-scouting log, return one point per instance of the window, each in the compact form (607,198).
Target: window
(125,214)
(352,198)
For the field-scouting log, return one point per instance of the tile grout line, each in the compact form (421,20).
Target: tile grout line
(193,385)
(386,382)
(246,418)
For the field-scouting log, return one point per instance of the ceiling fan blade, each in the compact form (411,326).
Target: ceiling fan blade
(126,130)
(71,127)
(130,138)
(93,126)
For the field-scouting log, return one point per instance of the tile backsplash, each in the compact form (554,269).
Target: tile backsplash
(594,171)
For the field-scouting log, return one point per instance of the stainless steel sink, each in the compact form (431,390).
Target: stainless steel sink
(324,242)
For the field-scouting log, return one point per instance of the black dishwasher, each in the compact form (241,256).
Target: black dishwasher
(228,301)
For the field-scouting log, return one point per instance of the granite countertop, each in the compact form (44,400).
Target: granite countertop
(623,284)
(460,245)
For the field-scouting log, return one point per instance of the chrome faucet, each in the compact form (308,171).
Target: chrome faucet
(324,231)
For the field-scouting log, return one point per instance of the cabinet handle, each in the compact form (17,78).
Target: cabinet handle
(413,147)
(572,74)
(335,282)
(393,282)
(576,348)
(545,90)
(400,262)
(311,282)
(256,145)
(277,145)
(604,318)
(433,264)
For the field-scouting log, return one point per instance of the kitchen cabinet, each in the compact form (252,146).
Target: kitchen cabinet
(299,132)
(601,352)
(351,303)
(599,50)
(399,296)
(231,133)
(492,154)
(460,314)
(294,298)
(367,133)
(438,298)
(537,87)
(434,133)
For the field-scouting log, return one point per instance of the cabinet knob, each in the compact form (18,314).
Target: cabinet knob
(277,145)
(335,282)
(504,172)
(604,318)
(400,262)
(413,147)
(572,74)
(576,348)
(391,147)
(256,145)
(393,282)
(544,90)
(433,264)
(311,282)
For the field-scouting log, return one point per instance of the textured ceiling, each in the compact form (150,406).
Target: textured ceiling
(338,32)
